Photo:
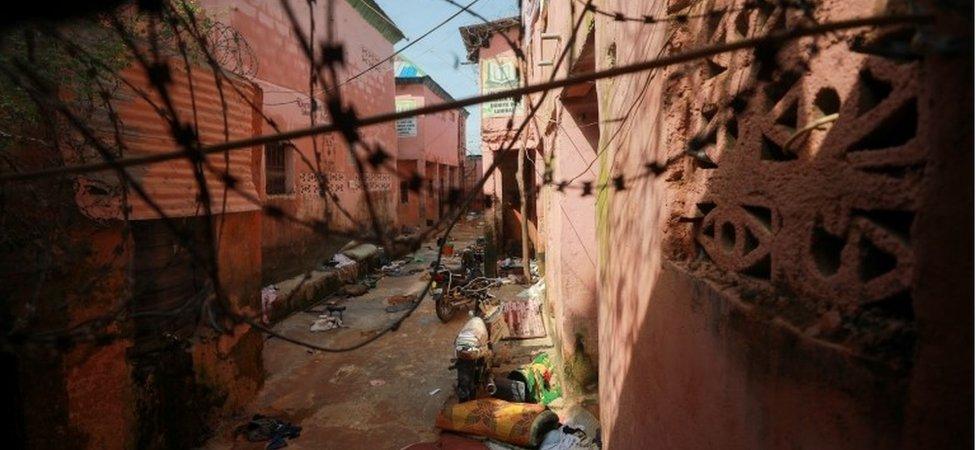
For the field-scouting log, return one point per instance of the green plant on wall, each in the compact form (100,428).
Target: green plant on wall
(77,62)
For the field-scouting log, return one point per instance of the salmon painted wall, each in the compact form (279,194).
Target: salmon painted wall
(282,71)
(775,295)
(91,395)
(569,124)
(496,134)
(437,142)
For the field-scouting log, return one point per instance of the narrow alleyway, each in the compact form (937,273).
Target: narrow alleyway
(383,396)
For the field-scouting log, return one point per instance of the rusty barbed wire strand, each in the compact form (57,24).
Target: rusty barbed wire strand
(358,124)
(691,55)
(804,5)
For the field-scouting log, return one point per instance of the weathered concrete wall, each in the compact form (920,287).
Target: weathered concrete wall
(569,123)
(472,172)
(782,293)
(437,145)
(496,134)
(282,71)
(76,286)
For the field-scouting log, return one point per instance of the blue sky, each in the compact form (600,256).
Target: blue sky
(441,53)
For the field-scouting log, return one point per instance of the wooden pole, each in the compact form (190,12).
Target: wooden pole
(524,209)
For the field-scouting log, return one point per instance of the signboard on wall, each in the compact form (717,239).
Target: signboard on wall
(406,127)
(499,74)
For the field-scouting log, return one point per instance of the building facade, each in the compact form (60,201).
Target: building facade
(473,170)
(773,231)
(431,146)
(131,363)
(494,47)
(296,170)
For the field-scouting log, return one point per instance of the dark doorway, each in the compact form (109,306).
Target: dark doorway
(169,288)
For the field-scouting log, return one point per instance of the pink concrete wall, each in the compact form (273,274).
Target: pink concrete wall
(783,299)
(568,220)
(437,144)
(437,134)
(410,214)
(503,214)
(283,74)
(412,147)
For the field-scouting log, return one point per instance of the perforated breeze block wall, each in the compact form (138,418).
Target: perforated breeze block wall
(814,250)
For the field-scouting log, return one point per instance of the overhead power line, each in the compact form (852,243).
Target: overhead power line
(691,55)
(436,27)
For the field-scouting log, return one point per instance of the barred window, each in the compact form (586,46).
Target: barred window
(277,168)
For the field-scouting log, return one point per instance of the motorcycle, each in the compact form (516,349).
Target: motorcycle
(474,351)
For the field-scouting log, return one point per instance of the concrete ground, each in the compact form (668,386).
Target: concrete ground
(383,396)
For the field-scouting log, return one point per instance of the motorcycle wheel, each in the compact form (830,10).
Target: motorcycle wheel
(443,309)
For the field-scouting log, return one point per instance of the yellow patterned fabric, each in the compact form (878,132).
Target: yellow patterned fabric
(522,424)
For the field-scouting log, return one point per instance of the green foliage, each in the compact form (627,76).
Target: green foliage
(77,62)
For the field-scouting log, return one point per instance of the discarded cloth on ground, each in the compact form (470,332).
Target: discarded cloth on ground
(522,424)
(262,428)
(341,261)
(325,322)
(541,386)
(580,431)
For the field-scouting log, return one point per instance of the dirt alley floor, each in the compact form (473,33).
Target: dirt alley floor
(377,397)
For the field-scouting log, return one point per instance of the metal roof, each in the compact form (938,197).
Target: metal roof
(478,36)
(372,13)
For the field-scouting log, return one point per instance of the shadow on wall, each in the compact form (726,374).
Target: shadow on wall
(787,302)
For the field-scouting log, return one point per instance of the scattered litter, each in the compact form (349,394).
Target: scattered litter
(568,438)
(580,431)
(269,295)
(325,322)
(262,428)
(510,263)
(434,392)
(377,382)
(339,261)
(394,268)
(370,282)
(354,290)
(335,310)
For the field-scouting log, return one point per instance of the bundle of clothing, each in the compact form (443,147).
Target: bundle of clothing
(262,428)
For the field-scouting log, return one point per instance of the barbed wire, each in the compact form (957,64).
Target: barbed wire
(767,5)
(213,306)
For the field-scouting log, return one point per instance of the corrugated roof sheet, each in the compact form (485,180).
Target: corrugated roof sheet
(172,184)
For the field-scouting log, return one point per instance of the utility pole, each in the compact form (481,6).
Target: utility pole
(524,210)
